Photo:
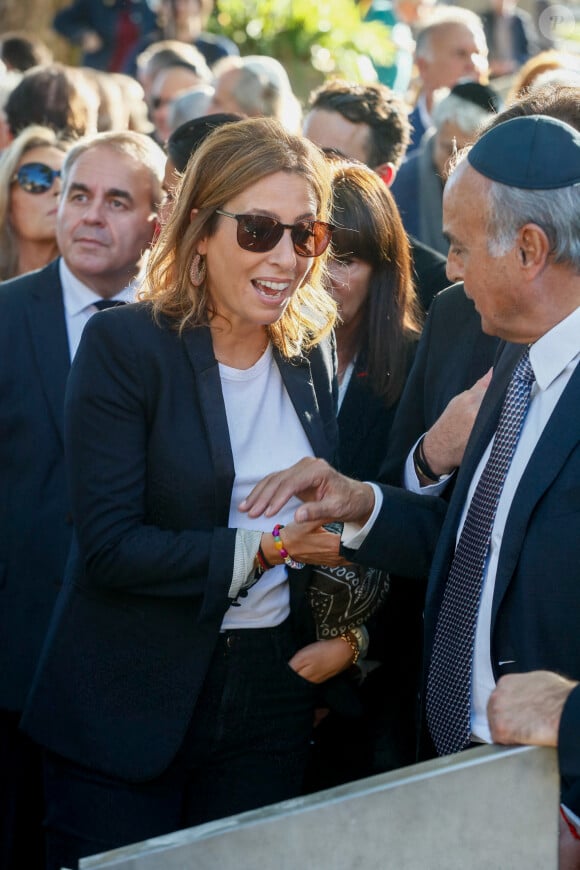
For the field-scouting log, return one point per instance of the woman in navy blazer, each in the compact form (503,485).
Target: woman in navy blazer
(169,691)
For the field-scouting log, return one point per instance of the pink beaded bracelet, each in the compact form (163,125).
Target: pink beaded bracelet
(292,563)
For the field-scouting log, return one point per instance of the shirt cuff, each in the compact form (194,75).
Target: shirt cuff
(247,545)
(353,536)
(411,481)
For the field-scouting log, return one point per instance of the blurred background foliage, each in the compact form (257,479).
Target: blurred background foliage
(312,39)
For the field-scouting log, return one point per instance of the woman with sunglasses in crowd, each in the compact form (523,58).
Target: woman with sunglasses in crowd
(169,692)
(29,188)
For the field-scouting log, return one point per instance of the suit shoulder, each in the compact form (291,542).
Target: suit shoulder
(44,283)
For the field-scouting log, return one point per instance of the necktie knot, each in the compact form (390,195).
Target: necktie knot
(524,371)
(103,304)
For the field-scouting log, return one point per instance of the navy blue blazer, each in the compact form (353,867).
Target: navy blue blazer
(418,130)
(151,477)
(35,522)
(364,423)
(536,604)
(452,354)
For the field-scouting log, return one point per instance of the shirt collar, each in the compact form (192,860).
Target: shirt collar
(77,296)
(555,350)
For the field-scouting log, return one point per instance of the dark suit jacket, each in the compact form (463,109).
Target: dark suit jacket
(364,424)
(453,353)
(429,268)
(35,524)
(524,41)
(536,602)
(151,474)
(418,130)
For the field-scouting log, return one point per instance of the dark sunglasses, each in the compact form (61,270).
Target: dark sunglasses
(35,177)
(260,233)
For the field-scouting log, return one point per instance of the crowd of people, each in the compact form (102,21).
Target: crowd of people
(288,394)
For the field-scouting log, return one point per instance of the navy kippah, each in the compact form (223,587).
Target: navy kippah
(534,153)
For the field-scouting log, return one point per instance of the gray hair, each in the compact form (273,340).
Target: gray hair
(468,116)
(138,146)
(555,211)
(443,16)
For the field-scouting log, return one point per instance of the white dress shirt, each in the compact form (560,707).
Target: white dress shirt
(79,304)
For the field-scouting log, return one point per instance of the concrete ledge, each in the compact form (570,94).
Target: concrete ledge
(490,807)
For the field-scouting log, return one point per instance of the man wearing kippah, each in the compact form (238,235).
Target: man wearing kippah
(504,588)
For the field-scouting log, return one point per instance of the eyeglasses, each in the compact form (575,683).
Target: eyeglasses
(35,177)
(260,233)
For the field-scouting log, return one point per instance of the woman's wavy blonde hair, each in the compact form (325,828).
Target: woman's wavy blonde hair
(231,159)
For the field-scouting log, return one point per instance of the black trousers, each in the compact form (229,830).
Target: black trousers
(21,798)
(245,747)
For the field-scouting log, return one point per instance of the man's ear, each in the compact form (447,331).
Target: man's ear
(533,248)
(387,172)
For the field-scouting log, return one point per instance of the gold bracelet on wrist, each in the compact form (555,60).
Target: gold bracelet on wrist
(351,640)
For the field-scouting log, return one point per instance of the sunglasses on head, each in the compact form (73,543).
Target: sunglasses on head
(260,233)
(35,177)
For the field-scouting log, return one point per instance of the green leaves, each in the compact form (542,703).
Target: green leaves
(328,36)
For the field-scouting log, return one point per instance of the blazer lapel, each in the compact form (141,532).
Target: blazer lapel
(483,431)
(199,349)
(559,438)
(297,378)
(46,318)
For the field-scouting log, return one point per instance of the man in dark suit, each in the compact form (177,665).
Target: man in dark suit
(106,220)
(523,275)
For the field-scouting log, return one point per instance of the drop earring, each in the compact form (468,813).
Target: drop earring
(197,270)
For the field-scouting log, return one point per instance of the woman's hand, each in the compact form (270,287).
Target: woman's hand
(322,660)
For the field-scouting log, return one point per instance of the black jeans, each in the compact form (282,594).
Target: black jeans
(245,747)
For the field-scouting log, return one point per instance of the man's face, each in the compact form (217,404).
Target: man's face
(329,129)
(224,99)
(167,85)
(106,219)
(455,52)
(449,137)
(492,282)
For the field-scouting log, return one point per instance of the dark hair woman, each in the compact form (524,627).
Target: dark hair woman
(379,320)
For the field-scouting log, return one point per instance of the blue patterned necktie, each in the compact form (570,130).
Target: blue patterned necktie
(449,680)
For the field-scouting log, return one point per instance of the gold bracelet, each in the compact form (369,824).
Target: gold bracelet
(350,639)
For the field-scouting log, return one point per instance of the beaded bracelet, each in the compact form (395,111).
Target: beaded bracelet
(292,563)
(353,644)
